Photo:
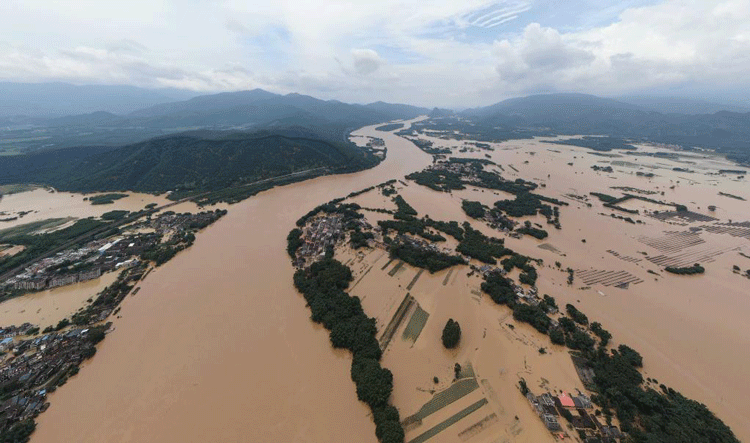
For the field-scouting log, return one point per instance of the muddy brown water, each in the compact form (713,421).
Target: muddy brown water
(218,346)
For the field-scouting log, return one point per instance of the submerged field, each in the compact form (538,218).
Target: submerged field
(618,259)
(182,362)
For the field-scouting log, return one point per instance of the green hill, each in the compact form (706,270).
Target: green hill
(186,163)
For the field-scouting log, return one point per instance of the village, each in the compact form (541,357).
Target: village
(33,364)
(565,416)
(99,256)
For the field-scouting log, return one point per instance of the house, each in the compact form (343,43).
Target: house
(551,422)
(6,344)
(566,401)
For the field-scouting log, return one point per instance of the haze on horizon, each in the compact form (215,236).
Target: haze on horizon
(432,53)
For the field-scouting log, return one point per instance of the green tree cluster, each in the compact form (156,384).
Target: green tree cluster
(323,285)
(451,334)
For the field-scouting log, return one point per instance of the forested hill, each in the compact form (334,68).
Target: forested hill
(725,131)
(192,163)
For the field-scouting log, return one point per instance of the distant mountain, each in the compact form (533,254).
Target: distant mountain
(252,109)
(590,115)
(439,112)
(556,106)
(678,105)
(94,118)
(399,111)
(198,162)
(60,99)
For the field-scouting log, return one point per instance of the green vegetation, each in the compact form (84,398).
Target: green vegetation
(479,246)
(105,199)
(438,179)
(404,210)
(429,259)
(390,127)
(323,285)
(532,231)
(16,188)
(631,355)
(473,209)
(600,332)
(736,197)
(187,164)
(600,144)
(426,146)
(646,415)
(533,315)
(499,288)
(411,225)
(604,197)
(358,239)
(114,215)
(19,432)
(577,316)
(294,242)
(528,274)
(451,334)
(39,244)
(525,203)
(690,270)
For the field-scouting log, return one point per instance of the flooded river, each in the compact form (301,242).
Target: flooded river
(218,346)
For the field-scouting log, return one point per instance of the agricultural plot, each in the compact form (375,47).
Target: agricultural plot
(673,241)
(619,279)
(396,320)
(688,258)
(478,427)
(415,325)
(449,422)
(456,391)
(624,257)
(741,230)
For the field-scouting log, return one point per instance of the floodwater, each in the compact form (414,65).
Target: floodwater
(218,346)
(46,308)
(44,204)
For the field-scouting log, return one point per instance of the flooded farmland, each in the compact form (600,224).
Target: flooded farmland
(217,345)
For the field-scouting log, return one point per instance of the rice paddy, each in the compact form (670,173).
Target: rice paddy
(456,391)
(416,324)
(449,422)
(620,279)
(396,320)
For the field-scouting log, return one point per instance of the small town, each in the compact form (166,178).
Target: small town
(34,363)
(578,411)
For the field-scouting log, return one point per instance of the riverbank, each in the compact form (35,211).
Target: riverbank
(217,344)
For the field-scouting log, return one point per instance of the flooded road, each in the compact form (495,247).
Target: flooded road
(218,346)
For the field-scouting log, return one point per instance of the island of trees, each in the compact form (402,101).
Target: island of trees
(451,334)
(689,270)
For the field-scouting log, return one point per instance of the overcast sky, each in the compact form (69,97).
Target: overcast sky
(427,52)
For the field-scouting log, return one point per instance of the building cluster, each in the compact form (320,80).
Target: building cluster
(578,411)
(13,331)
(319,234)
(103,255)
(33,367)
(82,264)
(170,222)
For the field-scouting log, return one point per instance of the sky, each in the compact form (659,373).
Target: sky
(444,53)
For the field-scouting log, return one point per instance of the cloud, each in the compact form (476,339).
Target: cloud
(538,55)
(366,61)
(432,53)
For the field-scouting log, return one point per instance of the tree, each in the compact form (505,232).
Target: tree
(451,334)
